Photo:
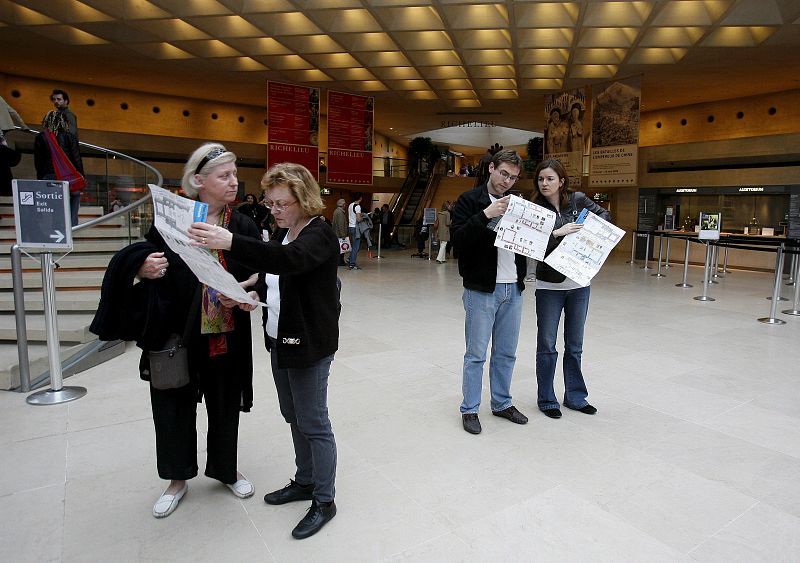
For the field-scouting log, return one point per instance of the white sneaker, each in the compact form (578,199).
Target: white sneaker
(242,488)
(166,504)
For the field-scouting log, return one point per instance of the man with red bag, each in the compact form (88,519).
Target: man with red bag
(57,156)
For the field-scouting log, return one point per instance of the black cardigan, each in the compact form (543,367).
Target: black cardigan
(308,327)
(474,241)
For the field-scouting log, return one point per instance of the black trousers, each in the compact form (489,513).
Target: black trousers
(175,420)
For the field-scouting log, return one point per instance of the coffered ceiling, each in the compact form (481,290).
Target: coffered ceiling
(425,62)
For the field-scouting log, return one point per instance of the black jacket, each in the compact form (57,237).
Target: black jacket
(474,241)
(8,157)
(578,201)
(308,327)
(151,310)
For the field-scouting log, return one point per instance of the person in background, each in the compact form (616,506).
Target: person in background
(254,210)
(353,218)
(8,159)
(387,222)
(339,222)
(9,118)
(60,101)
(493,280)
(555,293)
(56,122)
(443,232)
(301,326)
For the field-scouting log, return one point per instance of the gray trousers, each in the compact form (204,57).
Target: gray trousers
(303,399)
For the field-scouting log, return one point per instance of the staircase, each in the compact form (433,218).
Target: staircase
(77,279)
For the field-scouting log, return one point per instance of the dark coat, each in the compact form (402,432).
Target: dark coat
(151,310)
(474,242)
(8,157)
(308,327)
(578,201)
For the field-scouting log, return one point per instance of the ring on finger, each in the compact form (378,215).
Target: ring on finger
(162,272)
(203,240)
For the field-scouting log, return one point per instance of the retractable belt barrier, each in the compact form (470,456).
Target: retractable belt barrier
(712,270)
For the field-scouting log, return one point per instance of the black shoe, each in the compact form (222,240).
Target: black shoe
(317,516)
(588,409)
(471,422)
(290,493)
(552,413)
(512,414)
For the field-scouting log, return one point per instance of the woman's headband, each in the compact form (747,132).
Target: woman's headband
(212,154)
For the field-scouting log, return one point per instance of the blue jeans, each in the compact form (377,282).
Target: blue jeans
(355,244)
(497,315)
(303,399)
(549,304)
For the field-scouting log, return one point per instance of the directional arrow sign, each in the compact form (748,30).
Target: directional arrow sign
(42,215)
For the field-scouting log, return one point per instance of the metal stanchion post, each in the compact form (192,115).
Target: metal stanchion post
(19,315)
(57,392)
(795,310)
(712,270)
(658,273)
(706,277)
(778,276)
(717,273)
(666,260)
(430,242)
(776,291)
(633,248)
(647,254)
(685,281)
(725,262)
(792,279)
(380,238)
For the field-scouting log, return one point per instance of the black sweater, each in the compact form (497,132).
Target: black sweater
(474,241)
(308,327)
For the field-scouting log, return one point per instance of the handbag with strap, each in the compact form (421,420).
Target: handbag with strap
(169,367)
(62,165)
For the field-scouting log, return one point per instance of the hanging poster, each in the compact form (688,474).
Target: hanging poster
(563,133)
(293,117)
(615,133)
(350,122)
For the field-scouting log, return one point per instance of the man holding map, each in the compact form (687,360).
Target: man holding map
(493,284)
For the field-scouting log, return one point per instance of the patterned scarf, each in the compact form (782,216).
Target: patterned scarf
(216,320)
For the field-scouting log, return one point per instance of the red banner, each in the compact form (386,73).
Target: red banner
(350,123)
(293,117)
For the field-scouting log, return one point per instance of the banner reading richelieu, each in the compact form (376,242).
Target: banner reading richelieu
(615,133)
(350,122)
(293,117)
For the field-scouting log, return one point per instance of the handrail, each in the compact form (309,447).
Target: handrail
(16,265)
(128,208)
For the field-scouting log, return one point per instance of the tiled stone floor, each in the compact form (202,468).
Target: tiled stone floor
(693,456)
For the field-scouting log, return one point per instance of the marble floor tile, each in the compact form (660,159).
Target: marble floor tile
(694,453)
(761,534)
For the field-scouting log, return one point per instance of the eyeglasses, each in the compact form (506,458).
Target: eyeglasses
(506,176)
(279,205)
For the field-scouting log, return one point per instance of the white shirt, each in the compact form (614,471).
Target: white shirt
(274,300)
(352,218)
(506,265)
